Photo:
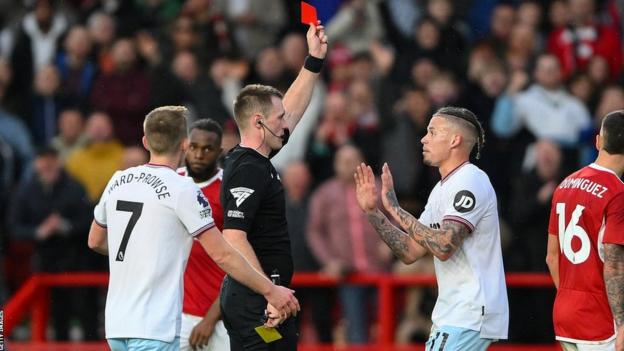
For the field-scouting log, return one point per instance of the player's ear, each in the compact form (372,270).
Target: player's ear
(145,143)
(456,139)
(598,142)
(184,145)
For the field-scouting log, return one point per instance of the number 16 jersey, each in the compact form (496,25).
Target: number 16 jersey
(587,211)
(151,215)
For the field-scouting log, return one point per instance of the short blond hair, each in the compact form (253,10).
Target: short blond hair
(252,99)
(165,128)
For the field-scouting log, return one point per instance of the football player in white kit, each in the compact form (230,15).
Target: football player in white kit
(147,218)
(459,227)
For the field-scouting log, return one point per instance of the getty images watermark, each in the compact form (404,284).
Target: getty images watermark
(1,330)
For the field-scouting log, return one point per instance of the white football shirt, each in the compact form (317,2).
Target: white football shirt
(471,284)
(151,214)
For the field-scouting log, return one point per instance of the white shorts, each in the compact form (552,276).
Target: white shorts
(219,340)
(569,346)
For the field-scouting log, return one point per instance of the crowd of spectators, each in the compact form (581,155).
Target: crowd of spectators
(77,78)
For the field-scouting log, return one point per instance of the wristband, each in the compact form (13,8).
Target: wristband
(313,64)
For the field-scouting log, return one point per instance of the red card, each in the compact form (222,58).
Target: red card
(308,13)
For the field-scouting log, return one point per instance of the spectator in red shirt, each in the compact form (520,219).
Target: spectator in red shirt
(584,38)
(124,93)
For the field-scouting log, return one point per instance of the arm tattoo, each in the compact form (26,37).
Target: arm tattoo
(395,238)
(614,280)
(442,242)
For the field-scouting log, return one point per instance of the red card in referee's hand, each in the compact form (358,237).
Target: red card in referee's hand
(308,13)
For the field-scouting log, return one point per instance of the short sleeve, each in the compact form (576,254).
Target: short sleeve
(466,203)
(99,212)
(553,223)
(242,196)
(194,210)
(614,224)
(425,216)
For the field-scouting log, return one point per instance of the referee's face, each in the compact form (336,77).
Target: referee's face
(437,142)
(276,123)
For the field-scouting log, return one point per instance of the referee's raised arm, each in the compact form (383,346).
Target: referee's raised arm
(297,98)
(253,201)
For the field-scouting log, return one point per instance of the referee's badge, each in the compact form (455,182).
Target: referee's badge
(241,194)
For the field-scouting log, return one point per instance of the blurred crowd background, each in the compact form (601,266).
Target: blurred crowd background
(78,76)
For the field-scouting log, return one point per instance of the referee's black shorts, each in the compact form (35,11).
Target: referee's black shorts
(242,311)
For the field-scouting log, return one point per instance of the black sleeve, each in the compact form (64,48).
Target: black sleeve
(80,211)
(242,195)
(18,219)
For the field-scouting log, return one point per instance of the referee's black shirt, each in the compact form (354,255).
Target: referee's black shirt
(253,201)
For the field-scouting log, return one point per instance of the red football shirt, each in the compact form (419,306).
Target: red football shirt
(203,277)
(576,48)
(586,211)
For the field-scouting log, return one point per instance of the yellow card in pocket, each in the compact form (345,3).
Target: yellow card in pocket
(268,334)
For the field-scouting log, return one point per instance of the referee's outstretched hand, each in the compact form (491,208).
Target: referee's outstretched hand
(284,300)
(317,40)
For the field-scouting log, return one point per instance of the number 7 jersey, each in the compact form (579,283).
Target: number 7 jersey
(587,211)
(151,215)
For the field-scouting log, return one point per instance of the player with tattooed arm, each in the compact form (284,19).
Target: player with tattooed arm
(585,248)
(459,227)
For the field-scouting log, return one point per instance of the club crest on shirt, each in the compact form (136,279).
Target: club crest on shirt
(241,194)
(464,201)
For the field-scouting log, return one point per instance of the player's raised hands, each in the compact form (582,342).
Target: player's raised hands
(317,40)
(284,300)
(365,188)
(388,196)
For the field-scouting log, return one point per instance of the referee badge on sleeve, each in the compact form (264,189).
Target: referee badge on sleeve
(464,201)
(241,194)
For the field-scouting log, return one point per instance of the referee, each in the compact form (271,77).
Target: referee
(253,200)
